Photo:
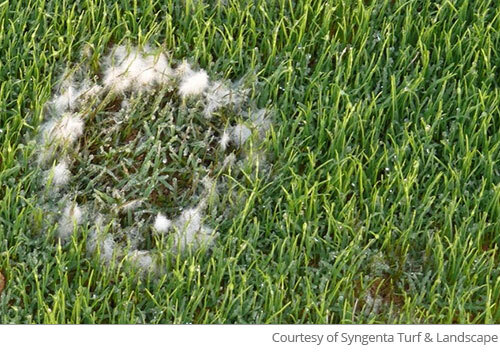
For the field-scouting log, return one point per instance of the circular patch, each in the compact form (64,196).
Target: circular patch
(148,156)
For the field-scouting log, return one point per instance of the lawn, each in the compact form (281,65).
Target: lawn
(379,201)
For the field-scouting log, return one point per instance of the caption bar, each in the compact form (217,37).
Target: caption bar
(274,338)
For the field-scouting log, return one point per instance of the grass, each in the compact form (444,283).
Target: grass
(383,202)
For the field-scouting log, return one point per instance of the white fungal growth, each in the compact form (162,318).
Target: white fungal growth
(162,224)
(131,205)
(90,91)
(209,185)
(211,195)
(190,231)
(67,100)
(102,242)
(240,134)
(107,249)
(193,84)
(66,130)
(71,217)
(141,259)
(143,71)
(116,79)
(162,69)
(229,161)
(224,140)
(62,132)
(189,223)
(261,121)
(129,70)
(60,175)
(69,128)
(184,70)
(122,65)
(218,95)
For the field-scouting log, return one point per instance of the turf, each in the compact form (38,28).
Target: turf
(383,202)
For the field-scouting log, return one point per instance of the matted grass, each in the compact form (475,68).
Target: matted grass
(383,203)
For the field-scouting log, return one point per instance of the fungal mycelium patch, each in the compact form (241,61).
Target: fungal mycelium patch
(145,154)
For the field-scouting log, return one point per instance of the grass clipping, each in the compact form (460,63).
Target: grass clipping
(146,154)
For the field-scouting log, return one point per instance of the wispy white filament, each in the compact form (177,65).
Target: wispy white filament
(240,134)
(66,130)
(190,231)
(218,95)
(67,100)
(193,84)
(141,259)
(135,70)
(71,217)
(261,121)
(162,224)
(103,242)
(224,140)
(60,175)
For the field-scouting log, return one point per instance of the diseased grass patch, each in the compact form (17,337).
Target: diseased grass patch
(188,133)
